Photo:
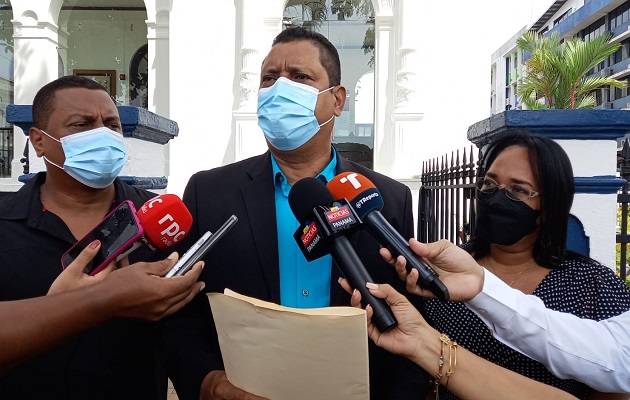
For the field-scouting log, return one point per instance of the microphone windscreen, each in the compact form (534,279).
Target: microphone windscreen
(358,190)
(165,219)
(306,194)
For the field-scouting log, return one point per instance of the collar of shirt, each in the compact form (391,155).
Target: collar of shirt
(281,183)
(303,284)
(25,204)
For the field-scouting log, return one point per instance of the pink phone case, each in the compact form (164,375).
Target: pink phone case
(113,242)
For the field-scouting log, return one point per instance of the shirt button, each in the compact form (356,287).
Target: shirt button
(304,292)
(281,178)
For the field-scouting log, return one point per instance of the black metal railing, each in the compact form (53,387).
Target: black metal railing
(6,151)
(446,199)
(623,198)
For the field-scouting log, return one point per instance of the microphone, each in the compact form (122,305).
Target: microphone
(165,220)
(367,202)
(324,222)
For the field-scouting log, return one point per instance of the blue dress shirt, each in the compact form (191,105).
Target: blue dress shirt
(303,284)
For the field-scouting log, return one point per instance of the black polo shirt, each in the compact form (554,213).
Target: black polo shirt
(117,360)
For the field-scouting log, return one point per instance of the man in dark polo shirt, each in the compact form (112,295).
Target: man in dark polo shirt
(77,130)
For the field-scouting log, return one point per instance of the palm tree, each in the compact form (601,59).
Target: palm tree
(558,71)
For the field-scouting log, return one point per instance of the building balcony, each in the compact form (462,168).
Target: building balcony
(584,16)
(622,103)
(618,70)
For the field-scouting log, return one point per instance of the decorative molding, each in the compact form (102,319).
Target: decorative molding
(136,122)
(272,22)
(385,7)
(405,87)
(385,22)
(607,184)
(248,89)
(249,77)
(581,124)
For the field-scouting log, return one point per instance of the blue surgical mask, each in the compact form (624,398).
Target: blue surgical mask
(286,113)
(93,157)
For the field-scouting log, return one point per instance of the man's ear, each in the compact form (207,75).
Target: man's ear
(340,99)
(36,137)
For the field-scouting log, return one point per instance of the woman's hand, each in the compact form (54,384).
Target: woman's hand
(457,269)
(404,338)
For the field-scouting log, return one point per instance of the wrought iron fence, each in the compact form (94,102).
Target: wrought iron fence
(6,151)
(446,199)
(623,198)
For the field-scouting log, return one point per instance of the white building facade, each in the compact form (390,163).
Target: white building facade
(197,62)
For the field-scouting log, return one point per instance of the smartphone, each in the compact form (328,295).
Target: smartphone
(200,248)
(117,232)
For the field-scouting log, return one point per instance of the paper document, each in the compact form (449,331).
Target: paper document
(287,353)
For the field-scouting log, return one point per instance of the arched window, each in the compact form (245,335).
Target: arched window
(350,28)
(102,40)
(139,78)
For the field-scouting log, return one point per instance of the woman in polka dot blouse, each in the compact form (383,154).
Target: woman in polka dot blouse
(524,196)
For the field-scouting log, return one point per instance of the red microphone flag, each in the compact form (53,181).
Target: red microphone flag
(165,219)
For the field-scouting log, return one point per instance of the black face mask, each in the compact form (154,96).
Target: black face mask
(504,221)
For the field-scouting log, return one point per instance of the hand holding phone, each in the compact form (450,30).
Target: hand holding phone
(200,248)
(117,233)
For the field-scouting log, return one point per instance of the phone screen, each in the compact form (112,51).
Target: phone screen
(199,249)
(117,232)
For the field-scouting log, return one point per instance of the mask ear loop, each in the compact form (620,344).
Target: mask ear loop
(325,90)
(329,119)
(333,116)
(46,158)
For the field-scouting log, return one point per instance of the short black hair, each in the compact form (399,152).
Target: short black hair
(328,55)
(553,171)
(44,101)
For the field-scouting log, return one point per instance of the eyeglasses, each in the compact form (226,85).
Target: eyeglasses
(515,192)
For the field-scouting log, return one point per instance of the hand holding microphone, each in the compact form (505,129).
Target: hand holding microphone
(367,202)
(323,225)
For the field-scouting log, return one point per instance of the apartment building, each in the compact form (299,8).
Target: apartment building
(568,18)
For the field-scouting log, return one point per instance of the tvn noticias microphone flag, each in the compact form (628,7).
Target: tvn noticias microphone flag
(322,223)
(367,201)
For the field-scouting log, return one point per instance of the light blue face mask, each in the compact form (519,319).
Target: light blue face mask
(93,157)
(286,113)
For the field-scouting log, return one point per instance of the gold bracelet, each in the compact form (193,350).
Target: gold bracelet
(452,362)
(444,340)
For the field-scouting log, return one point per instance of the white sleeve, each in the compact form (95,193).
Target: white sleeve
(595,353)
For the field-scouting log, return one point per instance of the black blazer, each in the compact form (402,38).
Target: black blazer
(246,261)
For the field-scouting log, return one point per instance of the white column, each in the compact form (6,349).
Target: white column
(383,94)
(596,211)
(159,94)
(158,62)
(35,64)
(407,149)
(258,22)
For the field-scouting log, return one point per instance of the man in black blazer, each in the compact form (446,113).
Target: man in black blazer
(300,96)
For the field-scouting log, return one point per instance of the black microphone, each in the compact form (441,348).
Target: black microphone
(367,202)
(324,222)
